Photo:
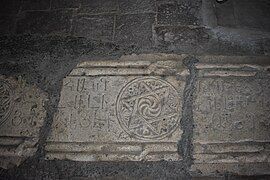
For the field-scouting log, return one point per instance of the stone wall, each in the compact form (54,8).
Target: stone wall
(68,72)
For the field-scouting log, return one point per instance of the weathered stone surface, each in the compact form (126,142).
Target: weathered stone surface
(237,14)
(45,22)
(129,29)
(178,13)
(94,27)
(225,14)
(6,24)
(180,38)
(10,7)
(125,110)
(56,4)
(35,5)
(231,116)
(21,116)
(98,7)
(136,6)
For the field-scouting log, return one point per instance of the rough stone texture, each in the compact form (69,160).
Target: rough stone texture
(35,5)
(171,37)
(6,24)
(60,4)
(43,40)
(98,7)
(125,110)
(131,33)
(231,117)
(178,13)
(244,14)
(136,6)
(45,22)
(87,25)
(21,116)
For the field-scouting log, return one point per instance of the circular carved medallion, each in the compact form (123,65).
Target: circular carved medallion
(5,100)
(148,108)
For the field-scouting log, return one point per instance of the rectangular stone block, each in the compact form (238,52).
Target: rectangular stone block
(6,24)
(35,5)
(21,116)
(45,22)
(231,115)
(135,29)
(137,6)
(124,110)
(178,13)
(239,14)
(98,27)
(98,7)
(225,14)
(181,38)
(58,4)
(10,7)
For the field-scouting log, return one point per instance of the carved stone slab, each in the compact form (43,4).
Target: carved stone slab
(125,110)
(232,118)
(21,115)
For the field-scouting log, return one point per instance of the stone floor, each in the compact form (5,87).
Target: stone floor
(134,89)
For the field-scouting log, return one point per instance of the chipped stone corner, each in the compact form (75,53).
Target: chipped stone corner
(120,110)
(21,117)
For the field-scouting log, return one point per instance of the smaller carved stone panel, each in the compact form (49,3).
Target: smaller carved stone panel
(117,118)
(231,110)
(231,116)
(21,115)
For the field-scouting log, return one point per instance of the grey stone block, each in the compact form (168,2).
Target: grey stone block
(98,7)
(36,4)
(182,38)
(135,29)
(253,14)
(7,24)
(137,6)
(225,14)
(45,22)
(10,7)
(56,4)
(249,14)
(94,27)
(182,13)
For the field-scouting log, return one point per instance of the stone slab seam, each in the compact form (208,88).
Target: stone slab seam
(185,147)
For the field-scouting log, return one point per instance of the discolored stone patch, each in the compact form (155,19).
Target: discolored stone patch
(21,116)
(124,110)
(231,116)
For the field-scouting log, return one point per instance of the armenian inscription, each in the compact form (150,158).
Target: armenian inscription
(230,110)
(21,116)
(112,117)
(231,116)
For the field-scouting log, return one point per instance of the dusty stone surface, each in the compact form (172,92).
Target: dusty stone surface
(119,111)
(42,41)
(21,116)
(231,117)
